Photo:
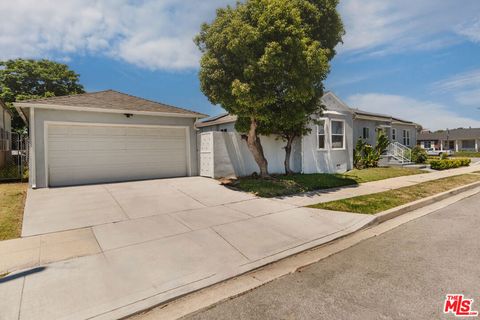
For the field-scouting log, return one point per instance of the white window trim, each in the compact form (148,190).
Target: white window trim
(325,134)
(394,134)
(344,134)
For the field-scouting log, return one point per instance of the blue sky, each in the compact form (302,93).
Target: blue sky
(418,60)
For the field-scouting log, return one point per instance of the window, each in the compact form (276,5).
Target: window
(394,134)
(427,144)
(406,137)
(468,144)
(321,134)
(338,134)
(366,133)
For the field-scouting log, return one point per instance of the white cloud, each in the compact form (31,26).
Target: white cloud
(465,87)
(379,27)
(430,115)
(471,30)
(149,33)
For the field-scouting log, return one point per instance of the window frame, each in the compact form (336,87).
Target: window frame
(325,148)
(394,134)
(406,137)
(343,134)
(366,130)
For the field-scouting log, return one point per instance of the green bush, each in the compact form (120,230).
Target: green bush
(419,155)
(367,156)
(449,163)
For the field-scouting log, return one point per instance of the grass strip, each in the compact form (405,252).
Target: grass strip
(378,202)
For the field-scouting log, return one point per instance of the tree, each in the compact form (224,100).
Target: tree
(22,79)
(260,58)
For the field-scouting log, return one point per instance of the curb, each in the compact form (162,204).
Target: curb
(397,211)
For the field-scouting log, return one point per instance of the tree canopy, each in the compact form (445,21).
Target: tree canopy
(265,60)
(22,79)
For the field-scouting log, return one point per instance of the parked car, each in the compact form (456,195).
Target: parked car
(434,152)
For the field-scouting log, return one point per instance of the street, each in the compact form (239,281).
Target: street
(402,274)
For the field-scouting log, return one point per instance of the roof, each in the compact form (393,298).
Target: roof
(453,134)
(108,100)
(380,116)
(219,119)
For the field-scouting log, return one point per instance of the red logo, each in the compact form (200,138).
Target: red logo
(459,306)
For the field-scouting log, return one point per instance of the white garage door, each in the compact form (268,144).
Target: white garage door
(82,154)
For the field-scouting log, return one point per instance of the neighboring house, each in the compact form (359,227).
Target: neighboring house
(5,134)
(366,126)
(454,139)
(327,149)
(107,136)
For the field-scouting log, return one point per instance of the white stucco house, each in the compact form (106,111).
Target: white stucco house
(107,136)
(327,149)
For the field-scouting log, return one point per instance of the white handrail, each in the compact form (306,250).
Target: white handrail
(399,152)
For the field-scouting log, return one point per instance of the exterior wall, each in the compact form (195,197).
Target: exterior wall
(413,134)
(227,127)
(359,124)
(231,156)
(8,122)
(42,115)
(328,160)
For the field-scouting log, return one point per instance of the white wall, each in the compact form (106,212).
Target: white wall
(231,156)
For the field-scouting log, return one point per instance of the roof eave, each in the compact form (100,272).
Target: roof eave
(117,111)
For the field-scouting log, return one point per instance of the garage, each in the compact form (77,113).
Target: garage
(105,137)
(81,154)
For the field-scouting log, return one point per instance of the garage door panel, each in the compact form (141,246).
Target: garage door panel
(80,154)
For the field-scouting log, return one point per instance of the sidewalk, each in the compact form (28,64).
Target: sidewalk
(116,282)
(328,195)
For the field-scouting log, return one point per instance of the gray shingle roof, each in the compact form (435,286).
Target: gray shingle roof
(111,100)
(453,134)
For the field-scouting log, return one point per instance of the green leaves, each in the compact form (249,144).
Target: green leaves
(28,79)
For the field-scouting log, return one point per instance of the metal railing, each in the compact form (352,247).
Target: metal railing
(399,152)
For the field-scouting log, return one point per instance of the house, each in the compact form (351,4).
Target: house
(107,136)
(328,148)
(5,133)
(367,124)
(455,139)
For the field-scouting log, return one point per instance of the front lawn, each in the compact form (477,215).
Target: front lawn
(12,201)
(378,202)
(282,185)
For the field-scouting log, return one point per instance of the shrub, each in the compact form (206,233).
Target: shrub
(366,156)
(449,163)
(443,156)
(419,155)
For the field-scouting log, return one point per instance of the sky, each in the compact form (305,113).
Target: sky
(417,60)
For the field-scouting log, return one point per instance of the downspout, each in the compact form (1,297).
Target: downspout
(33,174)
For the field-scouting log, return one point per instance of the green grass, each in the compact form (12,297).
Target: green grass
(12,200)
(286,185)
(374,174)
(467,154)
(378,202)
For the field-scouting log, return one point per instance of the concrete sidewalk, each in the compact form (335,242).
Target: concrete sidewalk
(320,196)
(143,261)
(149,260)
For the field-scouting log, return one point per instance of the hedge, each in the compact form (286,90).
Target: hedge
(449,163)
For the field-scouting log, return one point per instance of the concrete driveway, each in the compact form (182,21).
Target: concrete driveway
(60,209)
(158,240)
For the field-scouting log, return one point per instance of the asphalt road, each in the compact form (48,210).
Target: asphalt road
(402,274)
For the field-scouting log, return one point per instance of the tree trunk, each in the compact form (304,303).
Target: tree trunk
(288,152)
(255,146)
